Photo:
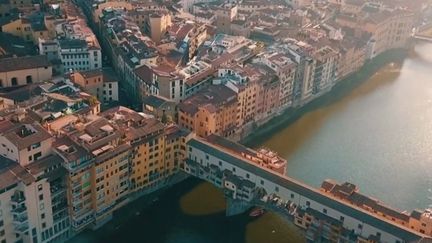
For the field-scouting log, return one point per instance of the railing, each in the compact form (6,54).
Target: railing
(21,227)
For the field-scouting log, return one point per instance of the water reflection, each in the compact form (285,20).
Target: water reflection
(204,199)
(290,139)
(379,136)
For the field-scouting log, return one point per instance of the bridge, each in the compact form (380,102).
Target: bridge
(246,184)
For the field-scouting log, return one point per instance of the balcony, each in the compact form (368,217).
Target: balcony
(56,190)
(20,219)
(21,227)
(60,215)
(80,222)
(18,201)
(19,211)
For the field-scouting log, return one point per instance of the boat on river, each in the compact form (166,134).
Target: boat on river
(257,212)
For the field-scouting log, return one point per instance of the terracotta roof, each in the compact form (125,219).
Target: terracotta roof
(212,98)
(39,134)
(144,73)
(91,73)
(12,173)
(21,63)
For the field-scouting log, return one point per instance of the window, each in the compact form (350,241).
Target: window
(36,145)
(262,182)
(37,155)
(14,81)
(41,206)
(308,203)
(1,83)
(42,216)
(29,79)
(360,226)
(342,218)
(43,225)
(41,197)
(277,188)
(324,210)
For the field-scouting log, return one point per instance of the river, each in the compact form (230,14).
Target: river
(378,136)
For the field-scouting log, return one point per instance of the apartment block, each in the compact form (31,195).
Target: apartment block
(114,157)
(25,142)
(285,69)
(77,55)
(33,183)
(211,111)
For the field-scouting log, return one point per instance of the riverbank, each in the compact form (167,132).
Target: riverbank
(341,89)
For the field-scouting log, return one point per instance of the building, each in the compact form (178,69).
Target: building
(206,155)
(29,27)
(25,143)
(13,46)
(299,3)
(113,158)
(258,93)
(417,220)
(36,211)
(225,14)
(147,86)
(285,69)
(157,24)
(101,83)
(389,28)
(77,55)
(127,49)
(210,111)
(18,71)
(160,107)
(33,183)
(326,63)
(49,48)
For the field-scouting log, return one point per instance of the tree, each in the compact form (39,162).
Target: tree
(93,100)
(166,119)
